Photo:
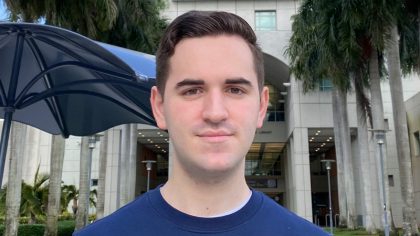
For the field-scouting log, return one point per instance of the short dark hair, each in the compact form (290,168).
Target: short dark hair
(195,24)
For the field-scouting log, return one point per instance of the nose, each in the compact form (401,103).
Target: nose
(215,108)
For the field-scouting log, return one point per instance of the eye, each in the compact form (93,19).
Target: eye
(192,92)
(235,90)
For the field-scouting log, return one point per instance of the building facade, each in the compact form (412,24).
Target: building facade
(285,159)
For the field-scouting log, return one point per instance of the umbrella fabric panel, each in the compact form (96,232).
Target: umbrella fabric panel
(70,84)
(83,115)
(68,107)
(143,64)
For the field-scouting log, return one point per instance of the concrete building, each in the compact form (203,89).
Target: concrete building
(413,118)
(284,160)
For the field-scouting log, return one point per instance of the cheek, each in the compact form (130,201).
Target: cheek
(180,114)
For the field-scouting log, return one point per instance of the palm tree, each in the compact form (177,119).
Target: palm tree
(35,197)
(84,185)
(13,194)
(102,173)
(134,24)
(401,134)
(96,15)
(56,170)
(138,26)
(337,39)
(404,56)
(33,200)
(69,194)
(309,62)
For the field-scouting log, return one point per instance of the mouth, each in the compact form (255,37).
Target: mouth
(215,136)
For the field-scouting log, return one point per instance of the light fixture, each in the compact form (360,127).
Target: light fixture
(286,84)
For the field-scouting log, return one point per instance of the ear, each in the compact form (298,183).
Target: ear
(264,97)
(156,101)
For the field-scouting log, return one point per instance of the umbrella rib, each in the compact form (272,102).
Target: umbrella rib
(47,80)
(63,129)
(72,63)
(76,56)
(136,85)
(3,95)
(149,111)
(88,49)
(45,95)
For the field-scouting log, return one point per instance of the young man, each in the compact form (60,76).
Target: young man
(211,98)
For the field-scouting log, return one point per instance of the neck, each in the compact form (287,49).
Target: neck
(205,197)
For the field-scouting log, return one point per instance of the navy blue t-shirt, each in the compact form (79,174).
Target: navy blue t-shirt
(151,215)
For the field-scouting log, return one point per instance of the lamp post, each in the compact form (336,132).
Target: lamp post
(380,140)
(380,137)
(148,168)
(92,144)
(328,167)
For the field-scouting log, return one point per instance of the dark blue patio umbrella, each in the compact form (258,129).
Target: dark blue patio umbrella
(64,83)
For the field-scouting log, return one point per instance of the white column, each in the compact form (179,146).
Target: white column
(132,163)
(298,174)
(111,178)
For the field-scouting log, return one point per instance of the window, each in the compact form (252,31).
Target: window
(417,143)
(275,110)
(325,85)
(391,180)
(265,20)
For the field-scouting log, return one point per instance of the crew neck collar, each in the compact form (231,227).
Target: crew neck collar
(203,224)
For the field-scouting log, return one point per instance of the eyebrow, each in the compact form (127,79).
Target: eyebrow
(231,81)
(239,80)
(189,82)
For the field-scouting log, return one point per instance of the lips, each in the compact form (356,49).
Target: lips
(215,136)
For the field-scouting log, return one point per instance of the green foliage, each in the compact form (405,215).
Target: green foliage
(360,232)
(96,15)
(335,39)
(134,24)
(410,38)
(35,198)
(65,228)
(31,230)
(92,218)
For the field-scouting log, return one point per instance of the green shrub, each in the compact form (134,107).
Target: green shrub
(66,227)
(31,230)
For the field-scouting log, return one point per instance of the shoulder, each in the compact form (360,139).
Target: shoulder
(123,221)
(282,220)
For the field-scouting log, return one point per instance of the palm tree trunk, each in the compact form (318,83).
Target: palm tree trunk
(378,122)
(103,153)
(84,185)
(342,199)
(14,185)
(401,134)
(348,163)
(54,189)
(364,163)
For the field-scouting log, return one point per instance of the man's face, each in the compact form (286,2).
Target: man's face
(211,106)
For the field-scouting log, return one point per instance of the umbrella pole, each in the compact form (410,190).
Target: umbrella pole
(7,123)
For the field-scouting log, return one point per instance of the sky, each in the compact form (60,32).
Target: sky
(3,14)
